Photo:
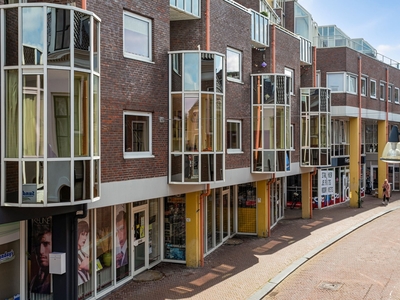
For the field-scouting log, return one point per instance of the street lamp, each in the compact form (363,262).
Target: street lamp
(391,152)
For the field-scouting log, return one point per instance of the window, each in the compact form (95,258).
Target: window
(234,65)
(390,93)
(234,136)
(137,37)
(318,75)
(382,91)
(363,86)
(292,136)
(373,88)
(137,134)
(335,82)
(351,84)
(290,73)
(396,95)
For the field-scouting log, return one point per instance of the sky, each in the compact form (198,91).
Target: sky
(376,21)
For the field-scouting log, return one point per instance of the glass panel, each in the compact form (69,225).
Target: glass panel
(314,100)
(82,174)
(11,36)
(11,181)
(257,119)
(247,208)
(122,242)
(32,35)
(281,89)
(82,40)
(207,72)
(268,128)
(210,221)
(175,228)
(137,33)
(256,89)
(218,217)
(96,116)
(191,123)
(219,69)
(225,207)
(137,133)
(207,167)
(176,72)
(11,115)
(219,167)
(233,135)
(176,168)
(191,69)
(32,182)
(58,181)
(287,127)
(282,161)
(314,131)
(10,269)
(176,108)
(219,120)
(305,125)
(104,246)
(335,82)
(257,161)
(58,37)
(191,168)
(96,46)
(96,178)
(81,114)
(207,123)
(139,239)
(280,127)
(58,114)
(233,64)
(154,231)
(85,259)
(269,161)
(269,89)
(32,116)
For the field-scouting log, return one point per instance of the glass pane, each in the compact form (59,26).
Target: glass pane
(85,259)
(82,40)
(136,133)
(139,239)
(207,123)
(11,36)
(154,231)
(232,135)
(219,167)
(58,181)
(96,178)
(123,248)
(32,182)
(96,116)
(257,161)
(218,217)
(11,115)
(58,114)
(280,127)
(233,67)
(219,123)
(219,71)
(257,119)
(175,228)
(191,168)
(176,168)
(281,89)
(191,123)
(32,116)
(269,161)
(191,69)
(82,180)
(207,167)
(96,46)
(81,114)
(136,36)
(269,89)
(247,208)
(32,35)
(314,100)
(268,128)
(225,210)
(104,247)
(210,221)
(11,181)
(58,35)
(207,72)
(176,108)
(176,72)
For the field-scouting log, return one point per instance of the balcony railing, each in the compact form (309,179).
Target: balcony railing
(259,29)
(305,51)
(184,9)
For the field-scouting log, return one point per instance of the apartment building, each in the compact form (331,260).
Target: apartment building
(136,132)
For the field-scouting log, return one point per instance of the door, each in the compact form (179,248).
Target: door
(140,239)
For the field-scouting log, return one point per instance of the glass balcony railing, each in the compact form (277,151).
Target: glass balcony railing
(259,29)
(305,51)
(184,9)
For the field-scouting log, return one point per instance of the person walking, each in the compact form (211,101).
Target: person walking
(386,192)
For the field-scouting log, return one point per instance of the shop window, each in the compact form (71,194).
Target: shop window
(247,208)
(137,37)
(234,136)
(85,259)
(234,65)
(137,134)
(122,233)
(104,246)
(175,228)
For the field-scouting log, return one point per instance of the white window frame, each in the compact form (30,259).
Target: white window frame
(138,154)
(389,93)
(239,137)
(351,84)
(318,79)
(363,86)
(373,94)
(292,137)
(232,54)
(290,72)
(382,91)
(341,81)
(127,54)
(396,95)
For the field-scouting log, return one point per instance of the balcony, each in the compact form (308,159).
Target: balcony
(196,117)
(305,51)
(50,105)
(315,129)
(259,29)
(270,123)
(184,9)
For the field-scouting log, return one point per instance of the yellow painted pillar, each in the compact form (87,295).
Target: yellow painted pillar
(306,210)
(192,230)
(382,166)
(263,222)
(355,161)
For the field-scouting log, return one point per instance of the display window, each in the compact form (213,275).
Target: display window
(175,228)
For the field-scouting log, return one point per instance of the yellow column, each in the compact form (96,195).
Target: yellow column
(306,196)
(192,229)
(355,161)
(382,166)
(262,208)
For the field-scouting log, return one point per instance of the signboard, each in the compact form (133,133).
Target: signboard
(29,192)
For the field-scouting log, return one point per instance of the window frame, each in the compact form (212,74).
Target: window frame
(382,91)
(239,137)
(363,85)
(229,52)
(131,55)
(343,82)
(389,93)
(396,95)
(290,72)
(351,78)
(138,154)
(372,94)
(292,137)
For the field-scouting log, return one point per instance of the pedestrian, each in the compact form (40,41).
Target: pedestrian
(386,192)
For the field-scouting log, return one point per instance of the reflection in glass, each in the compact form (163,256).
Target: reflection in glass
(11,115)
(11,36)
(176,72)
(176,168)
(191,69)
(219,84)
(59,181)
(11,181)
(154,231)
(269,161)
(104,247)
(32,35)
(218,212)
(96,116)
(82,40)
(58,37)
(191,123)
(96,178)
(268,128)
(96,58)
(82,174)
(176,108)
(219,123)
(32,182)
(81,114)
(207,167)
(207,122)
(207,72)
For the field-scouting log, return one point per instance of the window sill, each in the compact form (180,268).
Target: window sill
(234,151)
(234,80)
(136,156)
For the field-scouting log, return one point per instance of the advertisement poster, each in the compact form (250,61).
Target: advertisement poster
(83,250)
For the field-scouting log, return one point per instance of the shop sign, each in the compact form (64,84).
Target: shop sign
(7,256)
(29,192)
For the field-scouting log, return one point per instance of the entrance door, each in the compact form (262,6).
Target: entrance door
(140,239)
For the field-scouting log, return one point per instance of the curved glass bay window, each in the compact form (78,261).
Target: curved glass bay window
(270,123)
(315,130)
(196,117)
(50,108)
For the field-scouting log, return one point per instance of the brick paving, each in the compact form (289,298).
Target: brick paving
(242,271)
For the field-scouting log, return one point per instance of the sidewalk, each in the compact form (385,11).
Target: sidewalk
(248,267)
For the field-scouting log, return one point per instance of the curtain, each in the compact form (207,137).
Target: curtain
(12,114)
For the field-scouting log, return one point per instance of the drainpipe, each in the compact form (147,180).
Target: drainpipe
(359,132)
(273,37)
(208,25)
(270,182)
(202,195)
(84,4)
